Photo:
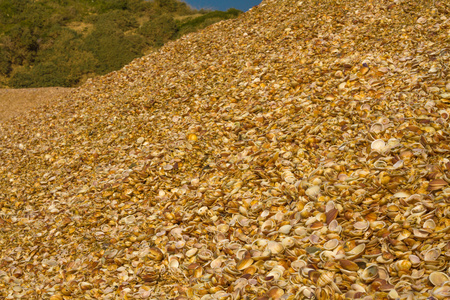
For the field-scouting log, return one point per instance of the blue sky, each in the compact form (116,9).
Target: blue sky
(243,5)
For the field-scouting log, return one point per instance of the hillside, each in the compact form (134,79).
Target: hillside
(301,150)
(51,43)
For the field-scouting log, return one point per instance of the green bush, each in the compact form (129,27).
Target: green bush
(159,30)
(62,42)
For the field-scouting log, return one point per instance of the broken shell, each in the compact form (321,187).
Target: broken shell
(191,252)
(285,229)
(431,255)
(313,191)
(244,263)
(288,242)
(438,278)
(348,265)
(355,252)
(205,254)
(155,254)
(275,274)
(379,146)
(325,278)
(377,128)
(274,247)
(331,244)
(402,265)
(370,273)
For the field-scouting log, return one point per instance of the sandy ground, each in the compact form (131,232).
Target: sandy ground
(16,101)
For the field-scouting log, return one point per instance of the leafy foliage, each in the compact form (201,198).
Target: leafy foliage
(63,42)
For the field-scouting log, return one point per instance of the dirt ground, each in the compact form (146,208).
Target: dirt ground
(16,101)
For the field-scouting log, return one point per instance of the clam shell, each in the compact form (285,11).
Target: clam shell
(288,242)
(377,128)
(355,252)
(369,273)
(205,254)
(348,265)
(431,255)
(331,244)
(274,247)
(402,265)
(438,278)
(313,191)
(379,146)
(244,263)
(155,254)
(191,252)
(285,229)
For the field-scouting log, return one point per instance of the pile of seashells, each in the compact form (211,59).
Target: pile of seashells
(300,151)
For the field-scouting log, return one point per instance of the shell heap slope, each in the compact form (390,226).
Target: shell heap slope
(299,151)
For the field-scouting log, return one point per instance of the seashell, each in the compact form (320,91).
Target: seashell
(288,242)
(313,191)
(377,128)
(275,293)
(331,244)
(216,263)
(431,255)
(442,292)
(191,252)
(369,274)
(348,265)
(437,184)
(298,264)
(285,229)
(429,224)
(268,226)
(438,278)
(355,252)
(155,254)
(331,215)
(244,263)
(325,278)
(399,164)
(379,146)
(402,265)
(274,247)
(361,225)
(275,274)
(205,254)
